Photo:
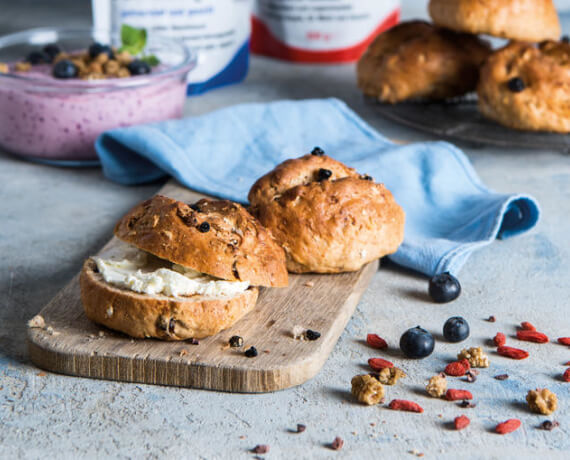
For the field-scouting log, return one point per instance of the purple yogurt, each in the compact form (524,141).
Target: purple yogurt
(55,120)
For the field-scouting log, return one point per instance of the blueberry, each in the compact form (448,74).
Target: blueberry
(51,50)
(417,343)
(38,57)
(97,48)
(516,85)
(204,227)
(456,329)
(251,352)
(324,174)
(65,69)
(565,39)
(138,67)
(317,151)
(444,288)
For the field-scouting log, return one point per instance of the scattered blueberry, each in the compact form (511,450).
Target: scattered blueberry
(204,227)
(236,341)
(65,69)
(97,48)
(251,352)
(312,335)
(516,85)
(444,288)
(565,39)
(456,329)
(138,67)
(417,343)
(38,57)
(51,50)
(317,151)
(324,174)
(367,177)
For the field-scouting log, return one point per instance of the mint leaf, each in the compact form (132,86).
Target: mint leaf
(151,60)
(133,39)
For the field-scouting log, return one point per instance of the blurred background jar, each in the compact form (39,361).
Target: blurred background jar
(321,31)
(217,31)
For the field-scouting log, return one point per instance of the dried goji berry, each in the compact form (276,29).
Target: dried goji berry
(500,339)
(402,404)
(457,395)
(566,376)
(461,422)
(508,426)
(525,325)
(513,353)
(455,369)
(378,363)
(564,340)
(465,363)
(532,336)
(375,341)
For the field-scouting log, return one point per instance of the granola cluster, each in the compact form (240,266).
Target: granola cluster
(437,386)
(475,356)
(367,389)
(99,67)
(542,401)
(390,375)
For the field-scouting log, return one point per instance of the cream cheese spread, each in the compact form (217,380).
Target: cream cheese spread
(144,273)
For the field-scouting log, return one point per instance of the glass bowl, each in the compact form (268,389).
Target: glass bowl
(57,121)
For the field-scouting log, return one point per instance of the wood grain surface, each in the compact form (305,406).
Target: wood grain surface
(71,344)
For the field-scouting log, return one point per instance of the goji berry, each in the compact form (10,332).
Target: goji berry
(508,426)
(500,339)
(564,340)
(526,326)
(461,422)
(465,363)
(402,404)
(378,363)
(455,369)
(456,395)
(566,376)
(375,341)
(532,336)
(513,353)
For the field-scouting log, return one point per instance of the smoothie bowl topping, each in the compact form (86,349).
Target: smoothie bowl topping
(97,62)
(60,88)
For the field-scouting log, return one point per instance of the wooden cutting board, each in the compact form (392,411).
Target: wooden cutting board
(71,344)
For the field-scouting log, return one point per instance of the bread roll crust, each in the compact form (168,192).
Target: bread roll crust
(233,246)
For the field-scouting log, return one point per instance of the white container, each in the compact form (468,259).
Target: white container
(319,30)
(216,30)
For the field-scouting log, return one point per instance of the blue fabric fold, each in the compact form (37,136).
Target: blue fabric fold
(449,211)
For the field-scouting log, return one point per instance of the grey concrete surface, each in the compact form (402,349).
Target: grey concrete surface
(51,219)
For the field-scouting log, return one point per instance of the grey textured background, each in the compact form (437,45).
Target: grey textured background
(51,219)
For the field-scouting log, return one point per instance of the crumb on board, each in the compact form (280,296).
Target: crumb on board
(37,322)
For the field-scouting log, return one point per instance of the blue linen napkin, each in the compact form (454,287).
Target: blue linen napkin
(449,212)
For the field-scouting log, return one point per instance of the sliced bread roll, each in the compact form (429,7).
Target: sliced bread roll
(181,271)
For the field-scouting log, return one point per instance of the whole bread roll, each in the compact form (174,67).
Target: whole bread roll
(525,20)
(327,217)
